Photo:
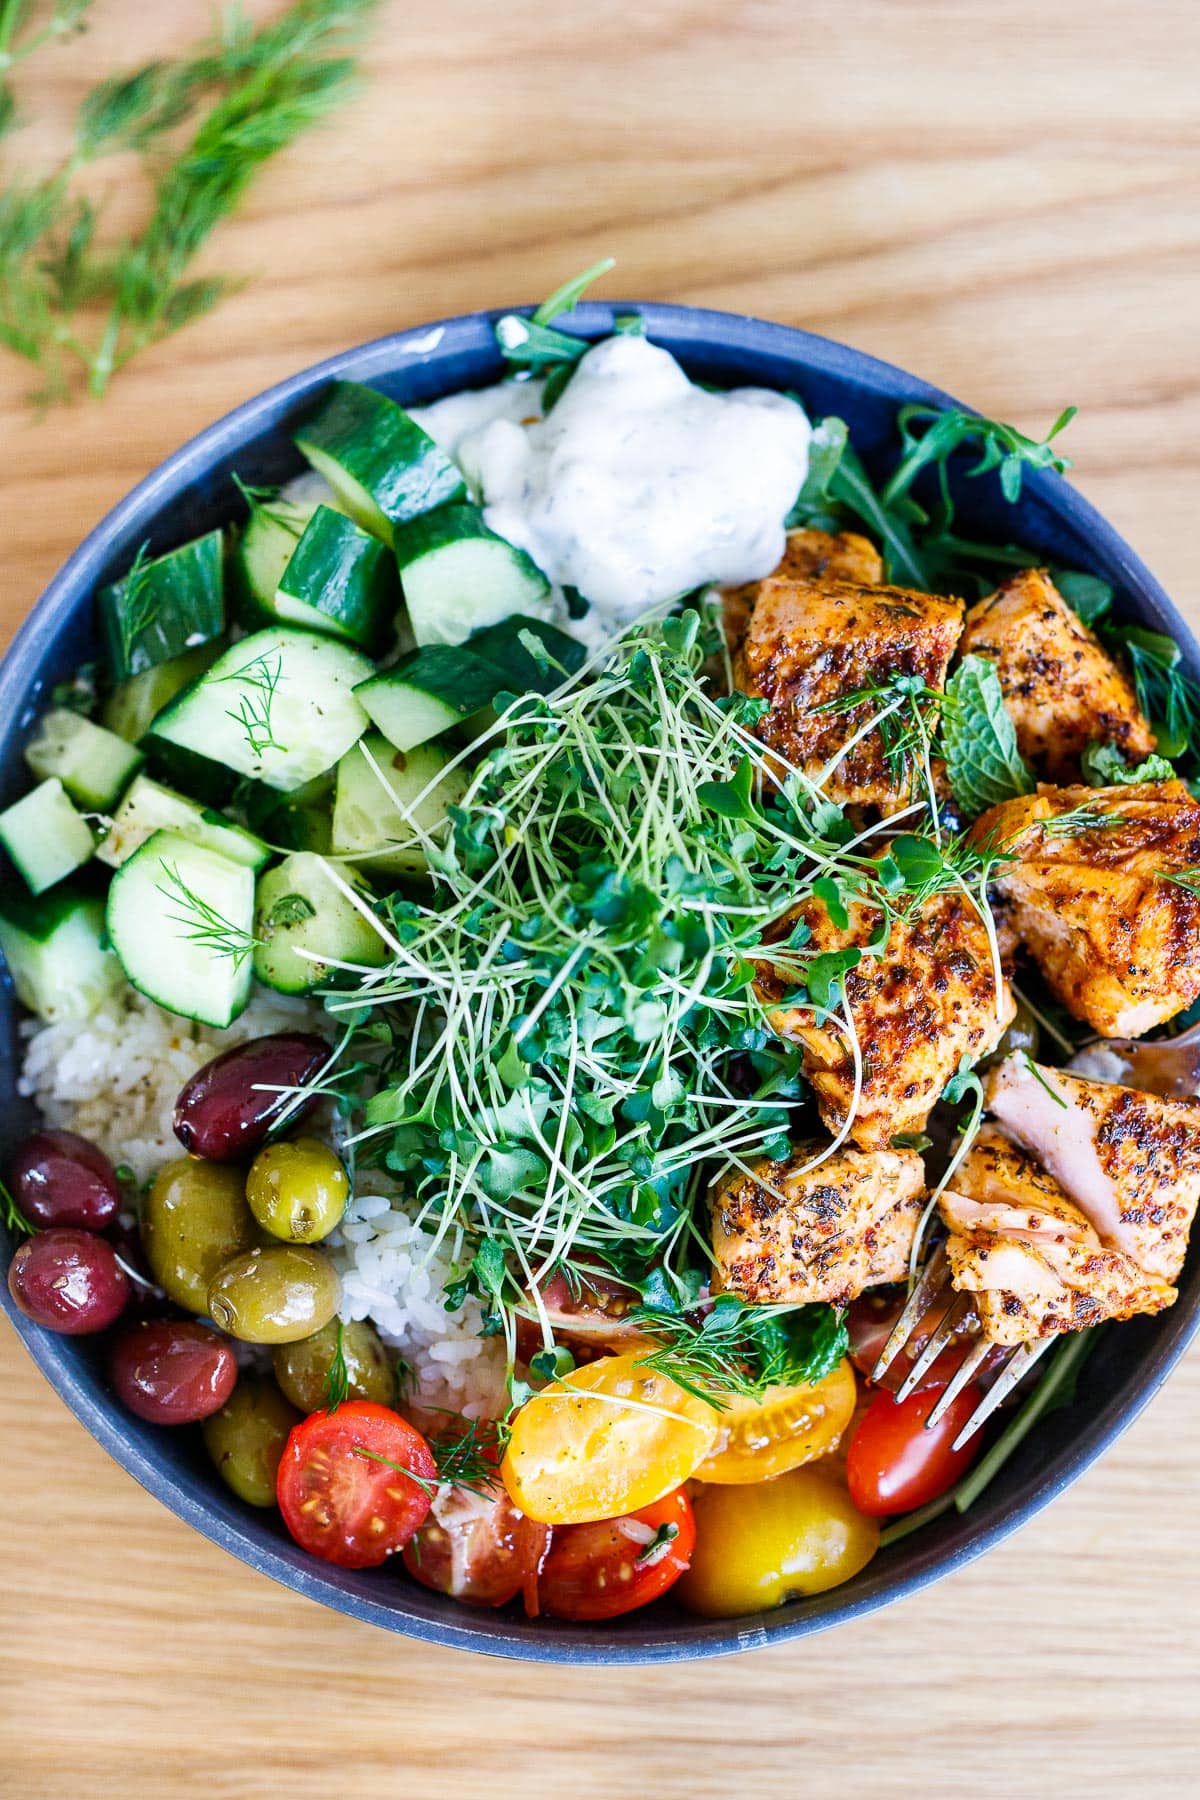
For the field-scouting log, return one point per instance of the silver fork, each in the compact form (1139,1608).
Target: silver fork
(1171,1067)
(934,1292)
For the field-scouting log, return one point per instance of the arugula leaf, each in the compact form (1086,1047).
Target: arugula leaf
(979,740)
(1104,766)
(1002,447)
(1086,595)
(567,297)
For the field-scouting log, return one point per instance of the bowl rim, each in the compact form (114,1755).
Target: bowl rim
(703,329)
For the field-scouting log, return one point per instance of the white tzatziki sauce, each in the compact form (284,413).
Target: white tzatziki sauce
(638,486)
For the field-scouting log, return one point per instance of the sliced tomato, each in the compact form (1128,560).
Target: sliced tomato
(894,1465)
(608,1439)
(611,1566)
(782,1429)
(478,1549)
(354,1485)
(588,1312)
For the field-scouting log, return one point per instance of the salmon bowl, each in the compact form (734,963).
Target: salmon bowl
(193,494)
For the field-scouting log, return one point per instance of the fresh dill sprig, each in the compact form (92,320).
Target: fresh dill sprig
(735,1350)
(13,1218)
(1166,693)
(68,18)
(337,1379)
(1184,878)
(71,302)
(465,1456)
(262,675)
(1080,821)
(139,608)
(202,922)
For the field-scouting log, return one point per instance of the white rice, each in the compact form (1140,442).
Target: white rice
(115,1077)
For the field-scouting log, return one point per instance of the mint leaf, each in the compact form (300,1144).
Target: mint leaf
(979,740)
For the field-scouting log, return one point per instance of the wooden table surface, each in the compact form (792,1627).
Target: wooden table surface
(1003,196)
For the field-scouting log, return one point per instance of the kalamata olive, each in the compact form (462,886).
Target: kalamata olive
(298,1190)
(246,1438)
(172,1372)
(59,1178)
(228,1107)
(68,1281)
(302,1368)
(276,1295)
(194,1219)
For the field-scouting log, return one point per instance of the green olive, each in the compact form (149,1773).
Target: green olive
(276,1295)
(1023,1034)
(302,1369)
(246,1438)
(298,1190)
(193,1220)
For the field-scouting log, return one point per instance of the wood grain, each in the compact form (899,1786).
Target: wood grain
(1003,197)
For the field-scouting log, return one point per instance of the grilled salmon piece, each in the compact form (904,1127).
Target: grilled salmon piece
(811,644)
(790,1232)
(1117,943)
(1061,687)
(809,556)
(1032,1261)
(918,1006)
(1129,1161)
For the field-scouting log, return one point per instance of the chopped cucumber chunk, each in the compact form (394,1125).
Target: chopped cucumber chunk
(389,802)
(56,954)
(458,576)
(45,836)
(133,704)
(307,927)
(278,706)
(301,820)
(180,919)
(339,579)
(427,693)
(383,468)
(163,607)
(94,765)
(262,552)
(505,645)
(149,807)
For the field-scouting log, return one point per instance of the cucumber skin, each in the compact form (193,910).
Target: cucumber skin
(156,849)
(501,645)
(452,524)
(187,588)
(45,857)
(133,705)
(246,574)
(49,941)
(383,450)
(235,765)
(346,577)
(336,929)
(447,675)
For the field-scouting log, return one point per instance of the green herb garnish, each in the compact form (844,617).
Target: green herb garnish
(979,740)
(14,1219)
(1104,766)
(737,1350)
(78,307)
(202,923)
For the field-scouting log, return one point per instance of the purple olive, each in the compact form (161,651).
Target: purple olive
(172,1372)
(68,1281)
(228,1108)
(59,1178)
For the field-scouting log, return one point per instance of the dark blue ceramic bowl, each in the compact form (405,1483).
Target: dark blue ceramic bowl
(192,492)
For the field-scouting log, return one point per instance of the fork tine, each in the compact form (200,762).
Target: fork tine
(1017,1366)
(917,1305)
(975,1355)
(956,1306)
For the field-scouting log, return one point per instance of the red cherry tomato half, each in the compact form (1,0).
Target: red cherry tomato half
(611,1566)
(479,1549)
(894,1465)
(354,1485)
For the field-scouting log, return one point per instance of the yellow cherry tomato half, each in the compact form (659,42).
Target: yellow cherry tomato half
(759,1546)
(610,1438)
(786,1427)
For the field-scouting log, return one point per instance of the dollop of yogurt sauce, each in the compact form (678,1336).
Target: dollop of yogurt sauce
(638,486)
